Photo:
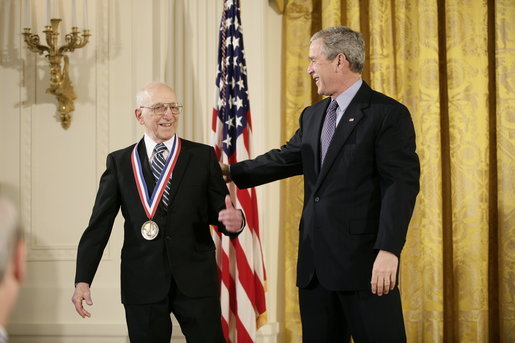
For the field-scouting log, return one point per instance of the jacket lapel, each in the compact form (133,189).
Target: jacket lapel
(179,171)
(352,116)
(145,167)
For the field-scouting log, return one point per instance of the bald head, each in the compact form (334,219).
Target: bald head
(160,125)
(10,233)
(146,95)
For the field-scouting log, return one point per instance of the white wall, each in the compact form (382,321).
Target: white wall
(54,172)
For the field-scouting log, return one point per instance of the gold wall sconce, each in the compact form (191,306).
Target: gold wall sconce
(60,83)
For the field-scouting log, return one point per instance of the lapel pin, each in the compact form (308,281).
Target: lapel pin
(351,119)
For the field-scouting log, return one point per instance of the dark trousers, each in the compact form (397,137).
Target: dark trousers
(333,316)
(200,319)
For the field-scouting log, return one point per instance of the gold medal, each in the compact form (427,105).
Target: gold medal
(149,230)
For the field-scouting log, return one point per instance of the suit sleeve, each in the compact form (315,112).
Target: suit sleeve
(274,165)
(96,235)
(399,171)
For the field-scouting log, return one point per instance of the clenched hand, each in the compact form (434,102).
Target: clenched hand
(231,218)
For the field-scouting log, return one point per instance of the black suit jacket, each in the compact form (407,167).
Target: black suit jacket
(360,201)
(183,249)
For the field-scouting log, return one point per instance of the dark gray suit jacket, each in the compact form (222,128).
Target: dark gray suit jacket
(362,198)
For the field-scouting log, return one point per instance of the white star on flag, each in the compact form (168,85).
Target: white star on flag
(240,260)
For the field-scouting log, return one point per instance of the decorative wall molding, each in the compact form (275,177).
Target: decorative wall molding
(38,250)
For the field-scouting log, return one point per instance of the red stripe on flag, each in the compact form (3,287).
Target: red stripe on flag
(214,120)
(243,336)
(249,120)
(246,204)
(247,277)
(247,131)
(240,260)
(225,329)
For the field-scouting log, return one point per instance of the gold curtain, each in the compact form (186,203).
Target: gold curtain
(452,63)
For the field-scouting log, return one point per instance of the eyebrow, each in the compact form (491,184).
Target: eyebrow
(175,103)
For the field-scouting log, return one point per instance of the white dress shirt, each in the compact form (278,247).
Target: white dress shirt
(150,145)
(345,98)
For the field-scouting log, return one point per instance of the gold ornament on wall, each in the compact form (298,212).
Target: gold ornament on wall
(60,83)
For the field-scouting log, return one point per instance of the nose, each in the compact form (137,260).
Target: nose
(168,112)
(310,69)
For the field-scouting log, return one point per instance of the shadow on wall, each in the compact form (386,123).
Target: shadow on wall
(10,37)
(191,44)
(35,69)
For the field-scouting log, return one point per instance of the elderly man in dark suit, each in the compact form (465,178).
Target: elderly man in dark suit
(356,150)
(169,190)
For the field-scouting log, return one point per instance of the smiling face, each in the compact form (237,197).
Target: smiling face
(332,76)
(159,127)
(323,70)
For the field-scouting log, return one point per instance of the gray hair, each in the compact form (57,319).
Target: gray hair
(10,233)
(343,40)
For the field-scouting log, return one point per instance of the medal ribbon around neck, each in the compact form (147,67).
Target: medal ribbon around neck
(150,204)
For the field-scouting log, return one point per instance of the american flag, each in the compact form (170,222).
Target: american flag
(240,261)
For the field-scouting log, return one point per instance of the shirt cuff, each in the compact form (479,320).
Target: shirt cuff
(244,222)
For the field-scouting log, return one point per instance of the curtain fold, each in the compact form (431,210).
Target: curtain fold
(452,63)
(297,94)
(504,48)
(467,92)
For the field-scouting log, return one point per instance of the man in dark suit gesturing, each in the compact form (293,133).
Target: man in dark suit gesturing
(356,150)
(169,190)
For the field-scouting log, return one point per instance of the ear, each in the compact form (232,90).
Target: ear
(139,115)
(342,61)
(20,255)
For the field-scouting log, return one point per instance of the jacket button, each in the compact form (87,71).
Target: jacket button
(317,199)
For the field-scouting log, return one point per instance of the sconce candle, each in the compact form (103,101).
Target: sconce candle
(60,83)
(85,12)
(74,13)
(48,11)
(26,17)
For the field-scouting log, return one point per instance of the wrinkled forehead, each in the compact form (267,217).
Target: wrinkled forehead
(160,95)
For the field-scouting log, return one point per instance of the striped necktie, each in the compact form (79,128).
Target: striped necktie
(328,130)
(158,164)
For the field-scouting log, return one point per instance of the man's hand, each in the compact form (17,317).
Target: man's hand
(82,292)
(225,171)
(384,272)
(230,217)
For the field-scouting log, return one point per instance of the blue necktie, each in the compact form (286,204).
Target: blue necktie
(158,164)
(328,130)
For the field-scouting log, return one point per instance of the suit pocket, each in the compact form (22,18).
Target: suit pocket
(367,226)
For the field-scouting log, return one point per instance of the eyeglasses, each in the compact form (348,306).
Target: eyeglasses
(160,109)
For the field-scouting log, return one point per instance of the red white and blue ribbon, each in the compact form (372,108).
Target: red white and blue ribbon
(151,203)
